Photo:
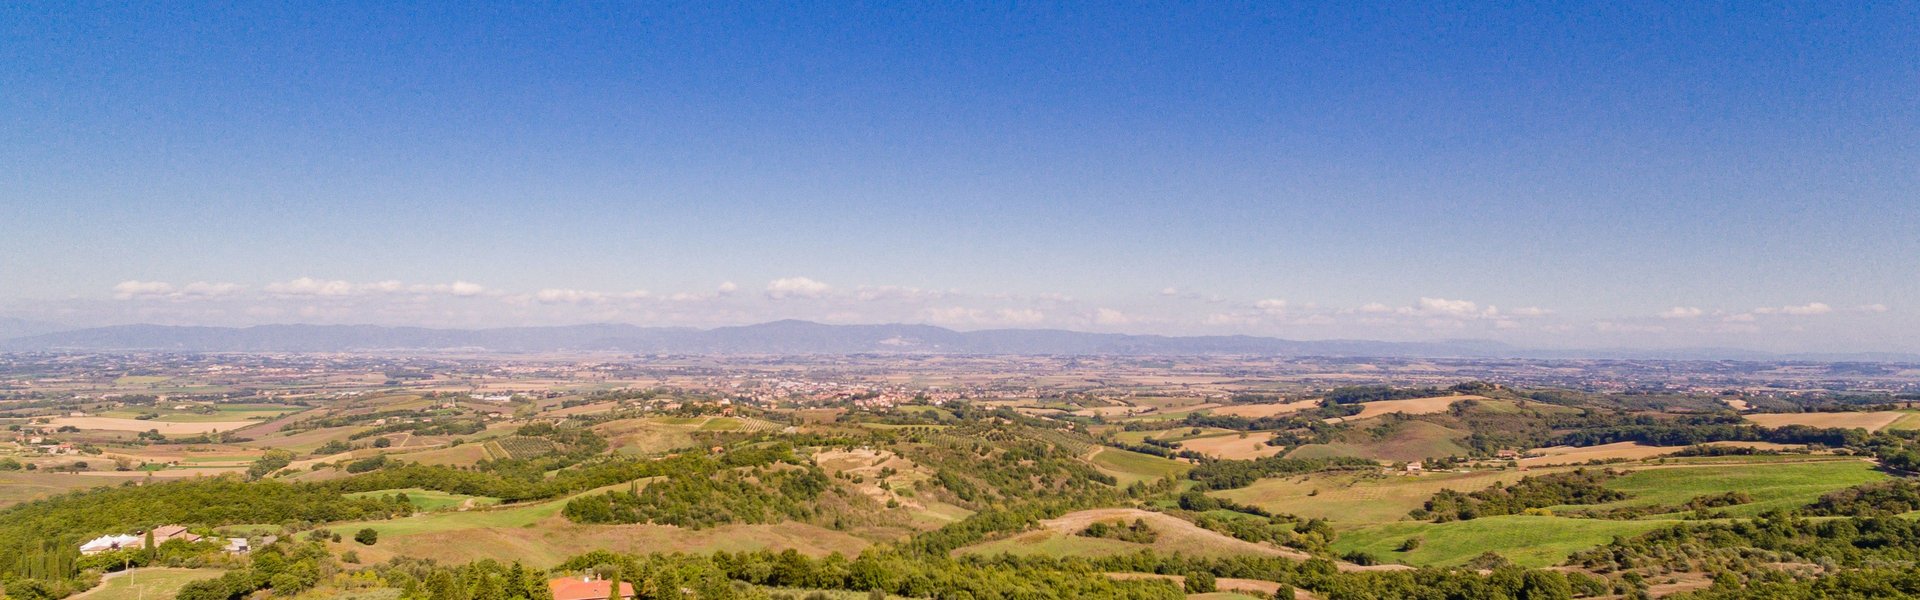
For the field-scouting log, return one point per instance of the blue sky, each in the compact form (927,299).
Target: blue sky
(1743,174)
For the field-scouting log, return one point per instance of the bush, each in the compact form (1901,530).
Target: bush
(1200,582)
(367,536)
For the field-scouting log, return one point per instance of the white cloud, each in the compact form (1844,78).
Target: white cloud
(127,290)
(1740,318)
(308,286)
(1808,309)
(1108,316)
(1272,306)
(796,287)
(1443,306)
(1169,291)
(566,296)
(205,289)
(961,315)
(1682,312)
(871,293)
(1612,327)
(1374,308)
(1530,311)
(1872,308)
(727,288)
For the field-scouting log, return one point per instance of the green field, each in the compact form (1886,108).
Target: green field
(1526,540)
(434,501)
(1909,420)
(147,584)
(1361,498)
(1129,466)
(1780,485)
(519,516)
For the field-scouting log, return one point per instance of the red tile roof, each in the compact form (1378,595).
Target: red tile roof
(574,588)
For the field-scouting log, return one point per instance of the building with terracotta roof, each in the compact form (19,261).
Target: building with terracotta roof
(585,588)
(173,532)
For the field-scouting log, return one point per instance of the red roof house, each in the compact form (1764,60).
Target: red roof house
(585,588)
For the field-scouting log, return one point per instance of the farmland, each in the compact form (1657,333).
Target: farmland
(1870,421)
(539,477)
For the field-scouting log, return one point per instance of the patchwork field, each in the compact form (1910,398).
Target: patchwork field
(1870,421)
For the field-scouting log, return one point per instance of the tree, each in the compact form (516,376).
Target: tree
(613,585)
(367,536)
(1200,582)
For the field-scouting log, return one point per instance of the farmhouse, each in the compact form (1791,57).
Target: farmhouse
(585,588)
(173,532)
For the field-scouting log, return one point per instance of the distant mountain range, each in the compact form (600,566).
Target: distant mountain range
(795,337)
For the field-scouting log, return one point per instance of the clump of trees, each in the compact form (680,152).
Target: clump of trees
(1138,532)
(1580,486)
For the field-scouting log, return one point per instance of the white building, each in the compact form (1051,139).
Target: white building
(109,543)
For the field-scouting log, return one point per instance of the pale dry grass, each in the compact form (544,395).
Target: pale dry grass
(1570,455)
(1870,421)
(164,427)
(1168,527)
(1411,406)
(1256,411)
(1233,446)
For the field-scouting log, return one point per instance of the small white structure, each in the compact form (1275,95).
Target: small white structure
(109,543)
(238,546)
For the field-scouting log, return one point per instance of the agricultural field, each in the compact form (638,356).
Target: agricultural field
(1361,498)
(1530,541)
(1571,455)
(1256,411)
(1773,484)
(1130,467)
(26,486)
(146,584)
(1412,406)
(436,501)
(1870,421)
(1408,441)
(1056,537)
(164,427)
(1235,446)
(537,535)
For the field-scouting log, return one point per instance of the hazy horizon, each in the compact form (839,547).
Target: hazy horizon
(1569,176)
